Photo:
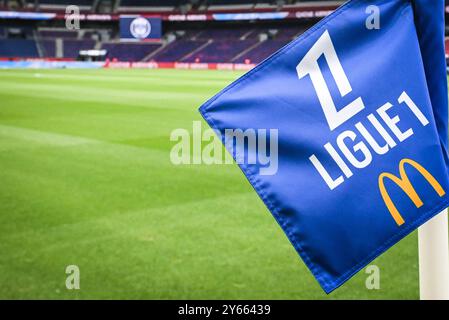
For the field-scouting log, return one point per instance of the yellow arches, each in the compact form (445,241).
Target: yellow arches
(404,183)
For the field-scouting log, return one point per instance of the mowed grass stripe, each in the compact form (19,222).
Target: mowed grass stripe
(122,175)
(91,94)
(122,80)
(137,74)
(42,137)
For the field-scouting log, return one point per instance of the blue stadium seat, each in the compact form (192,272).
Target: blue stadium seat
(18,48)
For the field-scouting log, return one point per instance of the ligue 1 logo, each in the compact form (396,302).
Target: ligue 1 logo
(140,28)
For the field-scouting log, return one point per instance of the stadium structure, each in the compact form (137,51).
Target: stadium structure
(195,33)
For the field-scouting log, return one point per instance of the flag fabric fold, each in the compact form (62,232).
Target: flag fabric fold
(359,102)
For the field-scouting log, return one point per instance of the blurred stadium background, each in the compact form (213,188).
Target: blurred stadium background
(84,154)
(202,31)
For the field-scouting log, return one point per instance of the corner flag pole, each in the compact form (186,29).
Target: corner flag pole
(433,243)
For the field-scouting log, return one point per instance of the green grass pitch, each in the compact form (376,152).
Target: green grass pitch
(86,179)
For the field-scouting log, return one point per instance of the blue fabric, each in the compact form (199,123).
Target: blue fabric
(429,20)
(337,231)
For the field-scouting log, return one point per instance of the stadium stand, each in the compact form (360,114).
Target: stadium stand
(262,51)
(72,47)
(219,51)
(220,44)
(18,48)
(249,41)
(223,34)
(177,50)
(48,48)
(129,51)
(58,34)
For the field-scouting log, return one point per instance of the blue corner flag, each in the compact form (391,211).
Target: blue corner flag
(359,103)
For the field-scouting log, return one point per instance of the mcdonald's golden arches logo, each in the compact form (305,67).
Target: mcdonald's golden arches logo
(404,183)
